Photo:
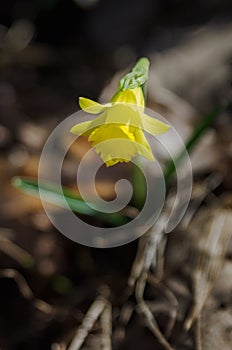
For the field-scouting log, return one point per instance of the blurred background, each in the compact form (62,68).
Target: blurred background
(51,52)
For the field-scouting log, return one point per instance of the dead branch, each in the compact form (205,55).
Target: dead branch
(90,318)
(212,248)
(27,293)
(170,296)
(15,252)
(146,312)
(106,325)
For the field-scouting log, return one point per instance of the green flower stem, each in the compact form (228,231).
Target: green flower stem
(139,187)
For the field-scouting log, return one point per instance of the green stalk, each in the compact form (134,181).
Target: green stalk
(139,187)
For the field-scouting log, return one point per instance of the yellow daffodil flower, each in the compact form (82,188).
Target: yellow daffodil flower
(117,134)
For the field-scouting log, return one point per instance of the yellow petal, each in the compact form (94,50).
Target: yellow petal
(132,96)
(82,128)
(126,96)
(139,96)
(144,152)
(123,113)
(90,106)
(143,147)
(87,127)
(154,126)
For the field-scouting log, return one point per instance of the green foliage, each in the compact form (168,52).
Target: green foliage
(53,195)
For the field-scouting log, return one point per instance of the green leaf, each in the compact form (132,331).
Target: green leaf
(54,196)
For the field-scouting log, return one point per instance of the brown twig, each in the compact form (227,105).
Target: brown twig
(138,263)
(147,251)
(27,293)
(123,320)
(198,333)
(143,308)
(90,318)
(58,346)
(106,325)
(170,296)
(209,260)
(15,252)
